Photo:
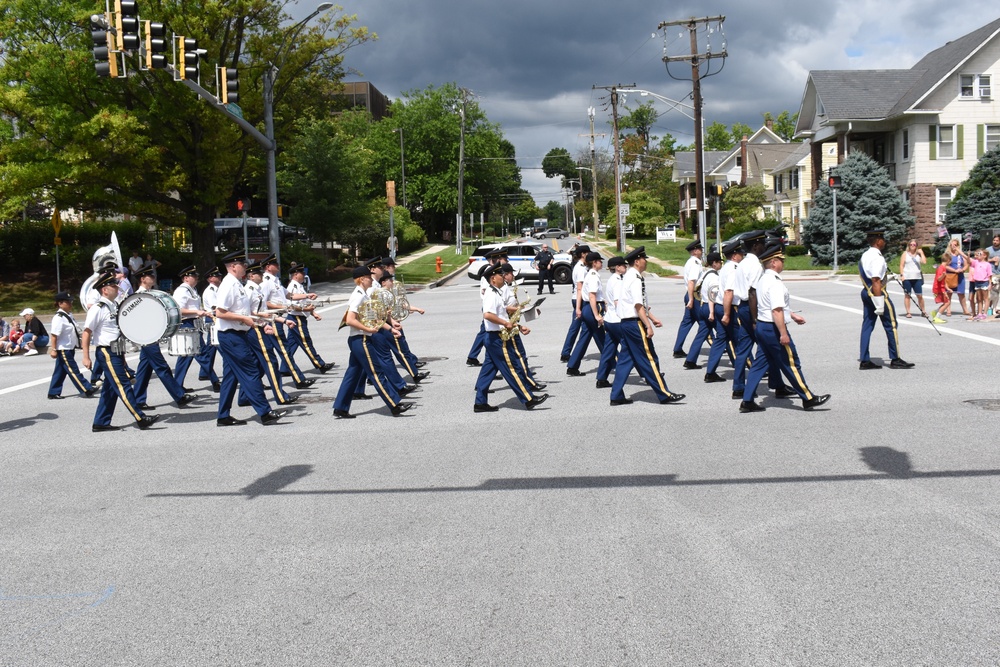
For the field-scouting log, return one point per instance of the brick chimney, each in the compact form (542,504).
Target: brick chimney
(743,161)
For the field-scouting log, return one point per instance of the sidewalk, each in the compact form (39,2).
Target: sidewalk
(426,251)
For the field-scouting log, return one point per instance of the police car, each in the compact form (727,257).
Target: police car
(521,255)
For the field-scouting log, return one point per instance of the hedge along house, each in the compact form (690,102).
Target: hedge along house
(927,126)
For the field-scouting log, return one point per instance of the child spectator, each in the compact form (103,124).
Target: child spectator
(981,272)
(942,295)
(11,342)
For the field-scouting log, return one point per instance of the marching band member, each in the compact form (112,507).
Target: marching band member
(239,367)
(189,304)
(692,272)
(613,348)
(299,336)
(703,311)
(876,303)
(262,338)
(773,339)
(101,327)
(579,254)
(725,327)
(402,346)
(363,362)
(592,309)
(381,341)
(276,298)
(637,335)
(510,299)
(65,339)
(206,359)
(151,360)
(499,353)
(494,257)
(408,361)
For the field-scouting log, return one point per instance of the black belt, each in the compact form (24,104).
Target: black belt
(629,319)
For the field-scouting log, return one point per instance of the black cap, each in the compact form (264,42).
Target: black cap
(581,250)
(694,245)
(593,256)
(188,271)
(236,256)
(267,261)
(145,271)
(731,247)
(214,272)
(373,262)
(106,278)
(388,261)
(495,253)
(63,296)
(360,272)
(616,261)
(713,257)
(507,268)
(875,234)
(493,270)
(638,253)
(298,268)
(255,267)
(774,248)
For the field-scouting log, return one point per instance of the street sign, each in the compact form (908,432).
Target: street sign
(57,241)
(624,210)
(56,221)
(390,193)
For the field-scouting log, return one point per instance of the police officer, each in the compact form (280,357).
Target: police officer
(876,304)
(232,311)
(637,335)
(499,353)
(65,339)
(692,272)
(543,260)
(773,339)
(101,327)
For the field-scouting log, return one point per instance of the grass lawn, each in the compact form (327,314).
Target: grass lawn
(15,297)
(423,270)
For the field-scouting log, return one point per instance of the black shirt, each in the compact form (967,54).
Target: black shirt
(543,259)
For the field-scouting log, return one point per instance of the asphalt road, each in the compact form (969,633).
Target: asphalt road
(864,533)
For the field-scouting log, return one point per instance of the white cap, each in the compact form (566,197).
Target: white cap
(27,311)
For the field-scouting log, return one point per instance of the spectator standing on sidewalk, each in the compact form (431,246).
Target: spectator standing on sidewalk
(911,268)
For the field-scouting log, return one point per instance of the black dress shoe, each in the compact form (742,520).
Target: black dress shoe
(539,386)
(622,401)
(738,395)
(680,355)
(407,389)
(420,376)
(575,372)
(101,428)
(785,392)
(564,358)
(146,422)
(691,365)
(815,401)
(305,384)
(216,387)
(325,367)
(673,398)
(90,392)
(421,364)
(56,397)
(145,406)
(714,377)
(230,421)
(484,407)
(472,361)
(750,406)
(400,409)
(868,366)
(272,417)
(185,399)
(538,400)
(286,374)
(899,363)
(602,384)
(187,390)
(289,400)
(342,414)
(362,397)
(202,379)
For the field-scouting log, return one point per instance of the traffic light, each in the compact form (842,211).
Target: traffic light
(713,190)
(127,12)
(833,181)
(243,205)
(105,61)
(187,50)
(156,45)
(229,85)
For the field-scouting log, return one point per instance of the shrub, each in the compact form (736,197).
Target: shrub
(795,250)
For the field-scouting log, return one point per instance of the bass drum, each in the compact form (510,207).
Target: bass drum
(184,343)
(147,317)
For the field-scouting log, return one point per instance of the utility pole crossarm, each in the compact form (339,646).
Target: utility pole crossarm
(696,56)
(690,21)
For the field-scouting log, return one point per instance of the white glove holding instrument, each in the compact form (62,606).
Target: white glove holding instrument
(879,302)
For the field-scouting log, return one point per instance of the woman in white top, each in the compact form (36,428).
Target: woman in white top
(910,263)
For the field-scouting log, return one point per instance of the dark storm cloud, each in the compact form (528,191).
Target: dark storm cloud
(532,64)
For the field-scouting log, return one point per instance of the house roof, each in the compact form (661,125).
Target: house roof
(684,163)
(763,158)
(801,151)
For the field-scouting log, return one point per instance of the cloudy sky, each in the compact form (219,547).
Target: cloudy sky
(532,64)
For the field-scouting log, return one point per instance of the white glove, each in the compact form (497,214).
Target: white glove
(879,302)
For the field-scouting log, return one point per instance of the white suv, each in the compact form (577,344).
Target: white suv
(521,255)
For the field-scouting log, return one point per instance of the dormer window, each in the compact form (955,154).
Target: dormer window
(975,86)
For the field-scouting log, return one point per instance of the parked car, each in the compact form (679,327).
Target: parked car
(522,257)
(229,232)
(551,233)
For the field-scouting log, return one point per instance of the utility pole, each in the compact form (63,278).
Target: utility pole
(593,167)
(696,59)
(461,173)
(618,176)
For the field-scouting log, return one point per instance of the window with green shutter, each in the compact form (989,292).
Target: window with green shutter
(932,141)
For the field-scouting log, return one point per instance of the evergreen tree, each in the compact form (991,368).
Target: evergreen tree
(867,199)
(976,205)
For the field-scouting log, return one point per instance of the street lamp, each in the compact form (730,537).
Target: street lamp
(402,163)
(270,72)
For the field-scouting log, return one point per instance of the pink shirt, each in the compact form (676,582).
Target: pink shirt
(981,271)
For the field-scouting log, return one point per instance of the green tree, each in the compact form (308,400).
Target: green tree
(555,213)
(146,145)
(784,124)
(743,205)
(642,120)
(740,130)
(558,162)
(976,205)
(867,199)
(717,138)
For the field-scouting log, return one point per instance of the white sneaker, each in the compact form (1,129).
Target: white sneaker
(30,352)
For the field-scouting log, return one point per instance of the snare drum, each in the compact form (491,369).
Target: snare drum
(147,317)
(184,343)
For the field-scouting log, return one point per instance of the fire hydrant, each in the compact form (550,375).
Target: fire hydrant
(438,264)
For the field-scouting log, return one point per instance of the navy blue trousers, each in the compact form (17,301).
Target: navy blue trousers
(783,357)
(500,357)
(151,360)
(66,368)
(362,366)
(642,357)
(239,367)
(116,386)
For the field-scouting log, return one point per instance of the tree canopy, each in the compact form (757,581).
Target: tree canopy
(976,205)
